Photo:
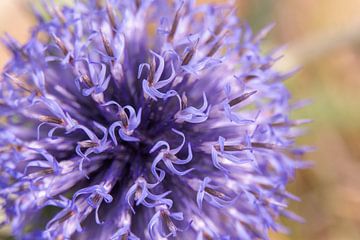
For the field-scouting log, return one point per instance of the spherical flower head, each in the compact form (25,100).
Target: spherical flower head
(144,119)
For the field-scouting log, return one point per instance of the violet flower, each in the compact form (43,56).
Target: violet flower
(144,119)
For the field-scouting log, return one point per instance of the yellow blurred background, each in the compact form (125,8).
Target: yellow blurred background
(322,36)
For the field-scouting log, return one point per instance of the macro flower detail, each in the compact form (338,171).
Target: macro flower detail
(97,195)
(127,124)
(169,158)
(214,197)
(230,104)
(162,223)
(191,114)
(145,119)
(152,84)
(97,82)
(140,190)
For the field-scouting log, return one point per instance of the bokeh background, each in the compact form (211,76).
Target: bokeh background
(322,36)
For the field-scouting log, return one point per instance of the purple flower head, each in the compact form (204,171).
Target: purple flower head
(145,119)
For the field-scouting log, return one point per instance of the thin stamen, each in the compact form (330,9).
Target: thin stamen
(230,148)
(184,100)
(96,199)
(175,24)
(25,86)
(86,79)
(88,144)
(124,118)
(169,223)
(60,44)
(241,98)
(107,46)
(67,216)
(249,77)
(215,193)
(151,72)
(110,13)
(219,27)
(289,123)
(137,193)
(217,45)
(51,119)
(171,157)
(60,15)
(189,55)
(264,145)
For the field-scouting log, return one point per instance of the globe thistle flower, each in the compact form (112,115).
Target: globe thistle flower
(145,119)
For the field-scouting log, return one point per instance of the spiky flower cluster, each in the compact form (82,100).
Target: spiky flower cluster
(144,119)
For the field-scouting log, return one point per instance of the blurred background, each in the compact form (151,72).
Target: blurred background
(323,37)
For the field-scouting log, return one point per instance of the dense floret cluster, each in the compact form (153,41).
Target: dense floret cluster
(147,119)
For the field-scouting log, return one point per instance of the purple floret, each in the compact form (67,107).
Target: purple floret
(145,119)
